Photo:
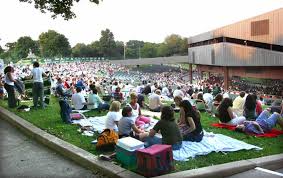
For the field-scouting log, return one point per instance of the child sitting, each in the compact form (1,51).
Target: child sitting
(127,126)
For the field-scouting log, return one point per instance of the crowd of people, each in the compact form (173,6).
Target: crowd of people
(87,85)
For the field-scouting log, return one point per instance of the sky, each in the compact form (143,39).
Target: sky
(145,20)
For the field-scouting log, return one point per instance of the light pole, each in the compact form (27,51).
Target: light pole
(139,51)
(124,50)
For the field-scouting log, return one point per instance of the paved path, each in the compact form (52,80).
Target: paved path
(21,156)
(260,173)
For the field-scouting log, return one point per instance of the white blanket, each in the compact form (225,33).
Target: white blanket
(210,142)
(98,123)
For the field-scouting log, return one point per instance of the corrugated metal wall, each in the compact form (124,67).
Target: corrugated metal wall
(228,54)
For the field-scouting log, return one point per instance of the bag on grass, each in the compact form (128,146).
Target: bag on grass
(107,140)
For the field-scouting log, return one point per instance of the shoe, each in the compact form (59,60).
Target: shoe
(104,157)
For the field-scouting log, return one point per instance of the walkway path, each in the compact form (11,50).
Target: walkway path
(260,173)
(21,156)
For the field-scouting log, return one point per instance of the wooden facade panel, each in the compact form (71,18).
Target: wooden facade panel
(242,29)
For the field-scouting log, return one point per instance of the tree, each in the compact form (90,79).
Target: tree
(174,43)
(1,50)
(133,48)
(162,50)
(107,43)
(95,46)
(119,51)
(57,7)
(82,50)
(53,44)
(149,50)
(23,45)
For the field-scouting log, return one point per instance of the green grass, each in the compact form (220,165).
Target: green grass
(50,121)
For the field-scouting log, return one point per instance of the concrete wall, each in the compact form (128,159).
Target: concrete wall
(158,60)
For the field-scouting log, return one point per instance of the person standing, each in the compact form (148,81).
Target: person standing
(9,86)
(38,87)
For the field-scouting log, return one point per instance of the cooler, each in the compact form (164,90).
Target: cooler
(155,160)
(126,152)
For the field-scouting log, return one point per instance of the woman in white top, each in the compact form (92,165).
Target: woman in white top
(9,86)
(140,120)
(113,116)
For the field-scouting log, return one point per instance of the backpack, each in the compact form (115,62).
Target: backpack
(107,140)
(65,111)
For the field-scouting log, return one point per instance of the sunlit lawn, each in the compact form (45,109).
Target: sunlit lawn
(50,121)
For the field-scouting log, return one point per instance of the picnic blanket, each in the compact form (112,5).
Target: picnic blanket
(98,123)
(210,142)
(272,133)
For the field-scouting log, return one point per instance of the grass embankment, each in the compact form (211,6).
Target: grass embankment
(50,121)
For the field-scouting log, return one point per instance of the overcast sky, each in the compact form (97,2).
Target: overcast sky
(146,20)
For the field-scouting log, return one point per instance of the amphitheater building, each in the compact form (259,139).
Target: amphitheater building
(249,48)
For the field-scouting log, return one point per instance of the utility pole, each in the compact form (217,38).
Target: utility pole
(124,51)
(139,51)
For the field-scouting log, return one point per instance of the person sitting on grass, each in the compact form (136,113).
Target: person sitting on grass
(189,122)
(168,128)
(226,115)
(140,120)
(263,124)
(113,116)
(155,101)
(127,126)
(78,100)
(250,107)
(95,102)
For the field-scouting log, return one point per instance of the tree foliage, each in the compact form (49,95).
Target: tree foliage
(57,7)
(53,44)
(1,50)
(176,44)
(149,50)
(133,48)
(83,50)
(23,46)
(107,43)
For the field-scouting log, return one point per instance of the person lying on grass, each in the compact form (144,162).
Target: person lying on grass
(263,124)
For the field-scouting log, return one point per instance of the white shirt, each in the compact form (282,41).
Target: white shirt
(37,74)
(178,93)
(111,117)
(226,95)
(8,81)
(154,101)
(135,112)
(77,100)
(165,91)
(208,98)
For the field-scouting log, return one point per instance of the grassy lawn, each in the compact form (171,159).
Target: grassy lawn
(50,121)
